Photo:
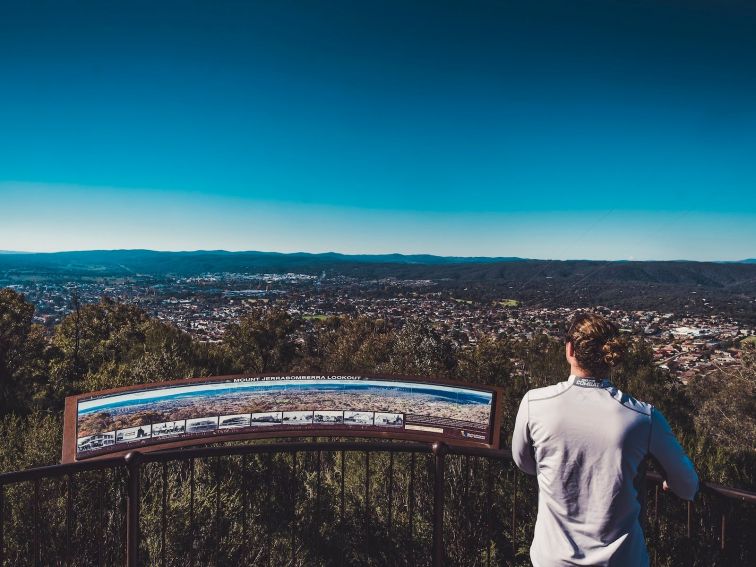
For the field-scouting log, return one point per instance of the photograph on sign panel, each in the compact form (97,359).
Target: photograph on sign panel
(201,424)
(289,401)
(94,442)
(266,418)
(297,417)
(328,417)
(134,434)
(233,421)
(389,419)
(358,418)
(168,428)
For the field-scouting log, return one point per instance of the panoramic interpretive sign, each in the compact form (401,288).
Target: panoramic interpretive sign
(206,410)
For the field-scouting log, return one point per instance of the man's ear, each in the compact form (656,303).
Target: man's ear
(569,350)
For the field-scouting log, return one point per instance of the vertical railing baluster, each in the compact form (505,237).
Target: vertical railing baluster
(218,535)
(100,515)
(132,505)
(656,532)
(476,513)
(709,505)
(2,525)
(317,494)
(35,512)
(722,533)
(69,519)
(118,520)
(191,512)
(268,505)
(163,513)
(656,503)
(466,475)
(514,515)
(390,489)
(465,529)
(366,509)
(489,511)
(245,524)
(662,502)
(342,507)
(367,485)
(294,494)
(689,532)
(342,502)
(411,505)
(439,454)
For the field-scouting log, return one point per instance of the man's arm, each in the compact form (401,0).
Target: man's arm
(680,475)
(522,444)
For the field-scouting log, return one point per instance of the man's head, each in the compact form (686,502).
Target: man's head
(593,345)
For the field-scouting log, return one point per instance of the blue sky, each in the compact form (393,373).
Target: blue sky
(590,129)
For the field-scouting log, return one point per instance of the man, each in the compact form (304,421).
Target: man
(585,441)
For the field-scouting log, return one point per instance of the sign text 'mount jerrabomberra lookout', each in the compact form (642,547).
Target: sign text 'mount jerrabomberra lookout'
(226,408)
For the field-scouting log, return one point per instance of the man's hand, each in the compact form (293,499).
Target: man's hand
(665,486)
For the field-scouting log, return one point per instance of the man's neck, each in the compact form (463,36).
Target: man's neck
(590,382)
(579,372)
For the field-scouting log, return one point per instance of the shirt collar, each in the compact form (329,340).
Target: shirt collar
(588,382)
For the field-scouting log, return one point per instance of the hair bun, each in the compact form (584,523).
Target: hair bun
(613,351)
(596,343)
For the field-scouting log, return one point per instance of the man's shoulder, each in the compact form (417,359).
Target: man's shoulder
(630,402)
(547,392)
(624,399)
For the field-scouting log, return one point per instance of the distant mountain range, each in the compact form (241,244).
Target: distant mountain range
(740,276)
(151,262)
(118,257)
(700,287)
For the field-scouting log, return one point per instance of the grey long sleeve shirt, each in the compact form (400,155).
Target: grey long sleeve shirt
(585,440)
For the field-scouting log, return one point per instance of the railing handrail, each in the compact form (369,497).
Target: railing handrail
(51,471)
(725,491)
(58,470)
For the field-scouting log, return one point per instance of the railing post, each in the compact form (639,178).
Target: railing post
(69,520)
(439,453)
(689,522)
(723,528)
(515,480)
(132,460)
(191,511)
(35,517)
(2,526)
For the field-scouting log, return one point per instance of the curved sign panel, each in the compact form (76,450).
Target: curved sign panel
(207,410)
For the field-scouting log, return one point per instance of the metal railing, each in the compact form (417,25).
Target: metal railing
(320,502)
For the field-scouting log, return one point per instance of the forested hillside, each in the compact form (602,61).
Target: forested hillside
(108,344)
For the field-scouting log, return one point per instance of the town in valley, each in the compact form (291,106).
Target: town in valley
(687,343)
